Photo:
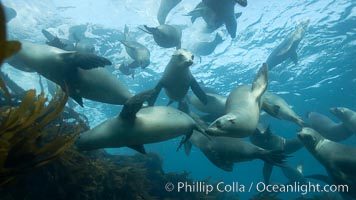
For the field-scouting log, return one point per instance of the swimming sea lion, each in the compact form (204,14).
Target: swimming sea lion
(287,49)
(210,16)
(215,104)
(74,70)
(165,35)
(223,152)
(177,79)
(138,52)
(347,116)
(338,159)
(60,43)
(242,109)
(136,126)
(327,128)
(278,107)
(264,138)
(225,10)
(164,8)
(83,45)
(206,48)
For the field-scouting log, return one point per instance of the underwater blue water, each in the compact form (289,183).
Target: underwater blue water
(324,77)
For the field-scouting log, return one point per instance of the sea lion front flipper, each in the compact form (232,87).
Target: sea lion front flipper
(153,98)
(134,104)
(231,26)
(294,57)
(260,83)
(84,60)
(267,171)
(49,36)
(198,91)
(187,148)
(237,15)
(56,42)
(138,148)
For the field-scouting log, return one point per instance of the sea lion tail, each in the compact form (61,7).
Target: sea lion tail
(274,157)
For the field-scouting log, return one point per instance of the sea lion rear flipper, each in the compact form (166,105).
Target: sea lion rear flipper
(267,171)
(198,91)
(260,83)
(134,104)
(84,60)
(153,98)
(294,57)
(138,148)
(274,157)
(184,140)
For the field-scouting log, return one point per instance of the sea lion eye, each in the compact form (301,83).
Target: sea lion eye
(192,57)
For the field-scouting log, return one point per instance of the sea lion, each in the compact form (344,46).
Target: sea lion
(73,70)
(136,126)
(225,10)
(287,49)
(327,128)
(206,48)
(242,109)
(338,159)
(215,105)
(165,35)
(177,79)
(164,8)
(60,43)
(278,108)
(264,138)
(126,69)
(223,152)
(347,116)
(210,16)
(10,13)
(138,52)
(83,44)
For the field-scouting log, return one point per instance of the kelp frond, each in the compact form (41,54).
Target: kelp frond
(28,136)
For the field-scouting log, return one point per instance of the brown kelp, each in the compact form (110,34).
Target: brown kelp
(101,176)
(29,138)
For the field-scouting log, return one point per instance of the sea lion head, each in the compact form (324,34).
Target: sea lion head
(182,58)
(222,125)
(341,112)
(310,138)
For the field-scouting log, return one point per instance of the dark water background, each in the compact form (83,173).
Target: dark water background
(324,77)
